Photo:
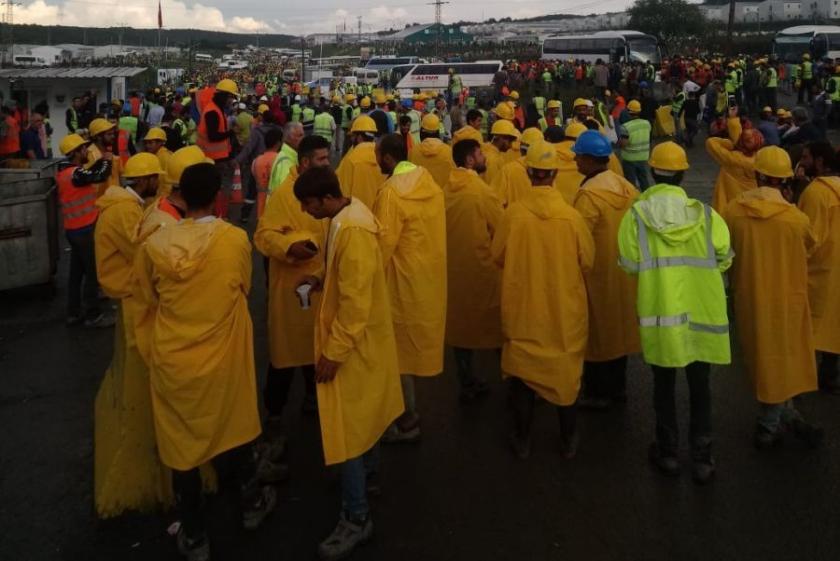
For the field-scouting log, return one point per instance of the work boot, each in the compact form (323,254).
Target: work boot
(193,549)
(348,534)
(666,463)
(703,464)
(765,439)
(811,435)
(269,471)
(405,430)
(254,513)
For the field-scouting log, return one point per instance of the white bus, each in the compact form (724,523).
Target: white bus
(30,61)
(381,63)
(435,77)
(201,57)
(609,46)
(818,40)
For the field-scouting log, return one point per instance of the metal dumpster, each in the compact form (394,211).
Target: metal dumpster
(36,169)
(28,232)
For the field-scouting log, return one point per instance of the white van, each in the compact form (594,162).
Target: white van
(366,76)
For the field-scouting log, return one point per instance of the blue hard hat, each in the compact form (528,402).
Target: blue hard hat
(592,143)
(643,84)
(406,103)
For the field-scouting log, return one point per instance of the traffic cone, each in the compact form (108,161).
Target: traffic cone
(236,194)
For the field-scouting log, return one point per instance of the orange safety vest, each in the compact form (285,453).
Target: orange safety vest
(213,150)
(78,204)
(123,140)
(204,97)
(10,144)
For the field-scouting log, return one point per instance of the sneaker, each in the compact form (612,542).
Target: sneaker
(101,321)
(396,435)
(255,513)
(811,435)
(271,472)
(765,439)
(702,472)
(667,465)
(344,539)
(194,550)
(272,448)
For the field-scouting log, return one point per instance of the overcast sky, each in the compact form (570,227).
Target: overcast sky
(286,16)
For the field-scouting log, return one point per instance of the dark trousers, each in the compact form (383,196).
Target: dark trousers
(606,380)
(278,382)
(804,91)
(235,466)
(664,403)
(521,402)
(82,272)
(827,371)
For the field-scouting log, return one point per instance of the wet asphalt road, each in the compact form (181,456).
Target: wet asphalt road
(457,495)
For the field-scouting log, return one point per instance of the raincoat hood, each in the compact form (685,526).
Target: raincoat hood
(832,182)
(546,203)
(414,184)
(180,251)
(764,202)
(356,215)
(669,213)
(459,178)
(115,195)
(611,188)
(430,147)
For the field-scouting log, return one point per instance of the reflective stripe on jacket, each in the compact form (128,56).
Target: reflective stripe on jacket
(78,204)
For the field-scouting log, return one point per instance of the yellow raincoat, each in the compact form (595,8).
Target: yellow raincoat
(737,170)
(120,212)
(544,248)
(354,328)
(473,312)
(602,201)
(512,182)
(821,202)
(93,155)
(290,327)
(771,240)
(164,187)
(436,156)
(495,161)
(197,276)
(412,214)
(359,174)
(568,178)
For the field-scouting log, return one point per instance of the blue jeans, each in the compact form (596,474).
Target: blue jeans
(354,482)
(637,173)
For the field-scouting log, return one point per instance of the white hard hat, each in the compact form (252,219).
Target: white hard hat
(243,106)
(297,98)
(264,98)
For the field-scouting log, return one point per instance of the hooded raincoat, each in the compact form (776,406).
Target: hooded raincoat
(820,201)
(769,288)
(359,174)
(290,327)
(544,249)
(568,177)
(512,182)
(602,201)
(678,247)
(196,275)
(354,328)
(473,312)
(737,170)
(436,156)
(495,161)
(412,213)
(120,211)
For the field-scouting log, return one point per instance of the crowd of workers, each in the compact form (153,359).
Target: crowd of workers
(455,219)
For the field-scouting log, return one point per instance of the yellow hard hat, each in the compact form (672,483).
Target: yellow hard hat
(350,97)
(541,155)
(71,142)
(504,111)
(806,56)
(336,99)
(100,125)
(430,123)
(767,109)
(553,104)
(579,101)
(363,123)
(504,128)
(634,106)
(141,165)
(262,108)
(389,97)
(575,129)
(531,136)
(773,161)
(365,103)
(514,95)
(780,112)
(668,156)
(465,133)
(228,86)
(181,160)
(379,99)
(155,133)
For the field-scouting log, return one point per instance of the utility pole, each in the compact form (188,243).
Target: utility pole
(359,18)
(729,26)
(438,4)
(8,31)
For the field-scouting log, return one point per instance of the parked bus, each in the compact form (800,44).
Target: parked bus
(435,77)
(818,40)
(381,63)
(201,57)
(609,46)
(30,61)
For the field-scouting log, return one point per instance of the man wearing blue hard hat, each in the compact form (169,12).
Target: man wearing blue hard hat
(602,200)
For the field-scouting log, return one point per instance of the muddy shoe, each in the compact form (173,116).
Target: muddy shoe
(254,514)
(666,464)
(194,550)
(345,538)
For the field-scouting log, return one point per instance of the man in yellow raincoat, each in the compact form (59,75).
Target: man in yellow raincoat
(772,239)
(512,181)
(544,249)
(602,201)
(432,153)
(358,172)
(473,313)
(127,472)
(204,396)
(357,373)
(103,134)
(735,157)
(503,134)
(412,212)
(568,178)
(293,241)
(154,143)
(821,202)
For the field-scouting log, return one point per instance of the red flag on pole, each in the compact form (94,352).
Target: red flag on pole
(160,16)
